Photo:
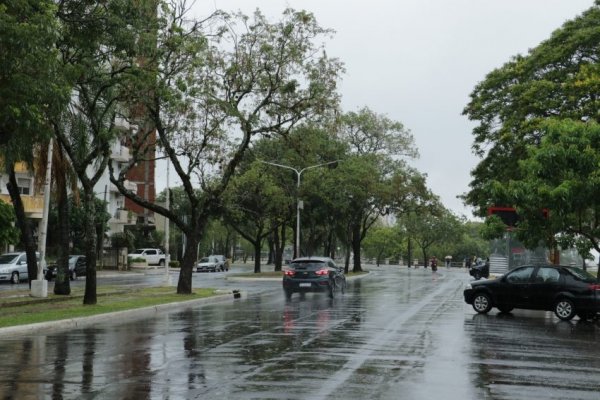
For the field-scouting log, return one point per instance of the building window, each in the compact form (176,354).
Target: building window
(24,185)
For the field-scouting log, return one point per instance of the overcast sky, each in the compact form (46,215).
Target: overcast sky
(417,61)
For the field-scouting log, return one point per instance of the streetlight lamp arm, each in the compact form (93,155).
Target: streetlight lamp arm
(316,166)
(282,166)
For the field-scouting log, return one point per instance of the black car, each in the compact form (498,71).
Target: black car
(313,274)
(567,291)
(77,267)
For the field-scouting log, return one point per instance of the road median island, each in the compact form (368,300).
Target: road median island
(27,315)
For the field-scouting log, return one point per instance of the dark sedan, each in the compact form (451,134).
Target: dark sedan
(77,267)
(567,291)
(313,274)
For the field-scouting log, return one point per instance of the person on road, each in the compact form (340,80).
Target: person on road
(433,263)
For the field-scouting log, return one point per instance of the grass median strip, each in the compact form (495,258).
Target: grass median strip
(55,307)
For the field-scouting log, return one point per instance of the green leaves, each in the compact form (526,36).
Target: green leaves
(9,234)
(558,78)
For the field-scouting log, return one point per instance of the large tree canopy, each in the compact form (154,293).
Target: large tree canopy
(558,78)
(216,86)
(562,174)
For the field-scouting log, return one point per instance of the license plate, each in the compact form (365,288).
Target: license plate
(305,284)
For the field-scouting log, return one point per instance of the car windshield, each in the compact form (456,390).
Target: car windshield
(205,260)
(581,274)
(7,258)
(138,251)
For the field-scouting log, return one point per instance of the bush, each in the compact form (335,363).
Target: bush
(174,264)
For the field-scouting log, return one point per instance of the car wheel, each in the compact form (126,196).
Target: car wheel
(477,276)
(505,309)
(14,278)
(161,263)
(564,309)
(288,293)
(482,303)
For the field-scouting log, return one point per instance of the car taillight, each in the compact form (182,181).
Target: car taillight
(594,286)
(322,272)
(289,272)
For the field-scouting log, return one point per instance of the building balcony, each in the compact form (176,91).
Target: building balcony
(122,216)
(122,123)
(120,153)
(33,205)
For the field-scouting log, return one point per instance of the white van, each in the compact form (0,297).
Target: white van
(13,267)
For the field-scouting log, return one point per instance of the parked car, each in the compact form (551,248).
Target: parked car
(152,256)
(208,264)
(481,269)
(568,291)
(13,267)
(223,264)
(77,267)
(313,274)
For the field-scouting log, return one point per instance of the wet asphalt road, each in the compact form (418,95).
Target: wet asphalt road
(395,334)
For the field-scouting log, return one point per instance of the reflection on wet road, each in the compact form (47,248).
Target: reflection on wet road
(395,334)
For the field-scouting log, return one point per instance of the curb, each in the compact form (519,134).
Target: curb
(136,313)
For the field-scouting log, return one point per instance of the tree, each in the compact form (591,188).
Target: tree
(382,242)
(100,45)
(250,202)
(8,233)
(374,142)
(561,173)
(308,145)
(212,90)
(430,228)
(31,90)
(558,78)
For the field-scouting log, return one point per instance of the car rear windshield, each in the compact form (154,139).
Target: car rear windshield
(581,274)
(307,264)
(7,258)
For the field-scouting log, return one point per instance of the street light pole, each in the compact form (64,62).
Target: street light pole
(167,227)
(299,202)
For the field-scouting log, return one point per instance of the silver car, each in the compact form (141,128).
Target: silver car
(13,267)
(208,264)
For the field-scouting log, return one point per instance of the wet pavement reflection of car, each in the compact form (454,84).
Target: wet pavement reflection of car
(567,291)
(313,274)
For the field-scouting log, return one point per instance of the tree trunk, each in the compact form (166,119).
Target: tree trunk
(257,249)
(347,259)
(271,245)
(23,223)
(356,241)
(90,295)
(184,285)
(279,245)
(409,251)
(425,263)
(62,285)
